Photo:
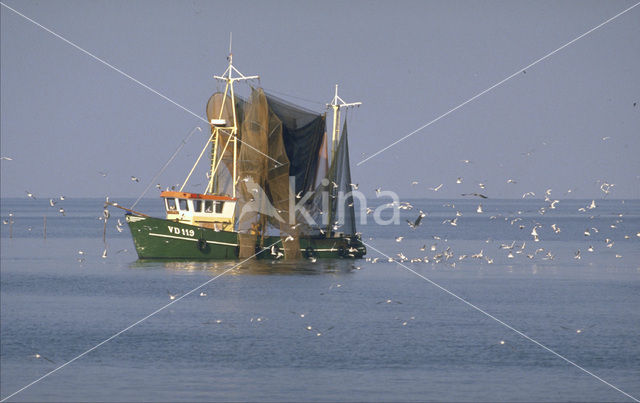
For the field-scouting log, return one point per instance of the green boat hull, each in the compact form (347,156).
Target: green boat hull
(157,238)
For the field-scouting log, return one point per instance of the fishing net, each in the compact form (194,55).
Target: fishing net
(341,199)
(263,172)
(332,205)
(302,135)
(278,140)
(219,107)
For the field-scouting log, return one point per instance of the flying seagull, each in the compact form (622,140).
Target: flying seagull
(474,194)
(417,222)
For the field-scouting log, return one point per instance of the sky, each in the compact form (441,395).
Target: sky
(73,126)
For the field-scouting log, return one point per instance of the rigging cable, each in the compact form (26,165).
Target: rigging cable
(293,96)
(182,144)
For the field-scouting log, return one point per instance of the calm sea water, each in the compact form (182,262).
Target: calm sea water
(331,330)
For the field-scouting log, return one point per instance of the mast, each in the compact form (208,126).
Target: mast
(336,104)
(230,129)
(228,78)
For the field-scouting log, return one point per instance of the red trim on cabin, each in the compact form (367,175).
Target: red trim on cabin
(184,195)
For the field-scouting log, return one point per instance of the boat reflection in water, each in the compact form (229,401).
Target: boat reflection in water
(252,267)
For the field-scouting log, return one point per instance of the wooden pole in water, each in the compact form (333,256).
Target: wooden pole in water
(10,225)
(45,227)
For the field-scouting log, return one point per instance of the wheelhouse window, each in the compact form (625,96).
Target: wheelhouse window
(197,206)
(208,206)
(213,206)
(170,204)
(218,206)
(184,204)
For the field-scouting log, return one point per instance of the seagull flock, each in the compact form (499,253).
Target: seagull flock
(443,253)
(436,251)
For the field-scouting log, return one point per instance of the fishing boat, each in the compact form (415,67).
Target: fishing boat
(277,188)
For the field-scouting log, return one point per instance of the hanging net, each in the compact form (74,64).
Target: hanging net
(278,140)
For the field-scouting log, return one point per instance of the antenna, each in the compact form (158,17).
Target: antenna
(227,75)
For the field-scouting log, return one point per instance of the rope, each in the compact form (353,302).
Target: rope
(166,164)
(295,97)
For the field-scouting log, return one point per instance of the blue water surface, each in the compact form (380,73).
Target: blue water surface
(333,330)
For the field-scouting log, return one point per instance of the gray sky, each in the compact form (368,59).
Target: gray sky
(65,116)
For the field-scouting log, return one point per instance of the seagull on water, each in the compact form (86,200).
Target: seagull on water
(172,296)
(36,355)
(579,330)
(389,301)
